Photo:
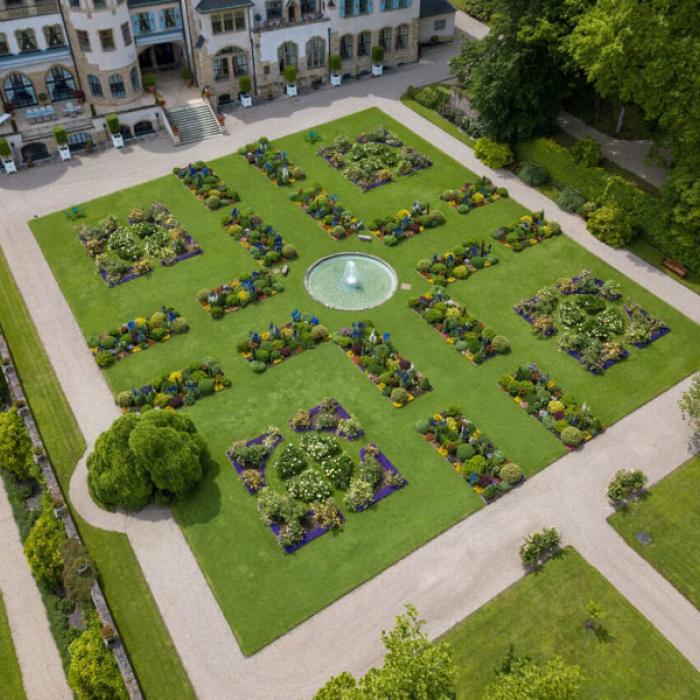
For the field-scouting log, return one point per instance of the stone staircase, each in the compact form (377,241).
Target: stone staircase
(194,121)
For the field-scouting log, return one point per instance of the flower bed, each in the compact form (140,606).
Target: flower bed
(272,163)
(136,335)
(206,185)
(271,347)
(593,319)
(527,231)
(330,417)
(261,240)
(389,481)
(474,194)
(458,263)
(336,221)
(376,158)
(544,399)
(125,252)
(250,458)
(471,453)
(407,223)
(463,331)
(176,389)
(376,356)
(238,293)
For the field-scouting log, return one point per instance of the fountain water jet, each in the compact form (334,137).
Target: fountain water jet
(350,276)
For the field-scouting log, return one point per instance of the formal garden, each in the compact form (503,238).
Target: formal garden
(442,398)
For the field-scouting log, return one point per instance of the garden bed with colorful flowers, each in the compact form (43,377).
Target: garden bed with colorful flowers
(559,412)
(458,263)
(473,195)
(329,417)
(273,346)
(590,320)
(261,240)
(375,355)
(385,482)
(458,327)
(527,231)
(407,223)
(471,453)
(250,458)
(274,164)
(336,221)
(136,335)
(123,252)
(206,185)
(239,293)
(376,158)
(174,390)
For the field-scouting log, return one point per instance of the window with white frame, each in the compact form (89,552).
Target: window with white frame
(54,35)
(126,34)
(221,70)
(142,23)
(94,85)
(273,9)
(26,40)
(116,85)
(287,55)
(385,38)
(402,37)
(439,25)
(315,52)
(83,40)
(225,22)
(135,79)
(346,42)
(60,84)
(364,44)
(107,39)
(4,46)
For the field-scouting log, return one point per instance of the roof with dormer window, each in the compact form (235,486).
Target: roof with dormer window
(433,8)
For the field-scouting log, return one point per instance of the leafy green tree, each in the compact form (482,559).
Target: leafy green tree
(680,214)
(43,548)
(93,672)
(611,225)
(16,446)
(413,667)
(526,680)
(690,404)
(138,456)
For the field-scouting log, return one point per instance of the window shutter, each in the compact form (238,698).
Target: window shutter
(341,9)
(161,19)
(382,5)
(152,21)
(369,7)
(135,25)
(355,8)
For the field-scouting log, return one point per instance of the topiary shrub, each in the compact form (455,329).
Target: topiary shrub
(495,155)
(611,225)
(586,152)
(423,265)
(43,548)
(289,251)
(571,436)
(258,367)
(500,345)
(465,452)
(399,396)
(572,200)
(16,446)
(534,174)
(212,202)
(422,426)
(511,473)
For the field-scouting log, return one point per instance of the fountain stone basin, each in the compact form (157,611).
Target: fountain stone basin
(351,281)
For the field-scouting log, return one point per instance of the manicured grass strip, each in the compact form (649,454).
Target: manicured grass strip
(543,615)
(670,514)
(439,121)
(10,674)
(150,648)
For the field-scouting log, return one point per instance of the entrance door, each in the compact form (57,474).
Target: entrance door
(165,56)
(146,59)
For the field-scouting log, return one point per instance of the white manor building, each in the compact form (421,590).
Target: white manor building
(71,62)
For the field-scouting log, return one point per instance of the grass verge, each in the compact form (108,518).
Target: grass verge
(10,674)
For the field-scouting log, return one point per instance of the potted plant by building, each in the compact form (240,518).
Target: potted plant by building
(8,162)
(112,121)
(377,60)
(187,76)
(61,136)
(148,80)
(43,98)
(290,75)
(245,85)
(336,63)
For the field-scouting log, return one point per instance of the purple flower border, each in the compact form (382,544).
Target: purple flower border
(664,330)
(385,491)
(309,536)
(239,467)
(340,413)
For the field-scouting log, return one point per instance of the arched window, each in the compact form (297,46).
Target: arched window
(95,86)
(346,42)
(116,85)
(36,151)
(4,46)
(236,64)
(385,39)
(315,52)
(60,84)
(19,90)
(135,79)
(402,37)
(143,128)
(287,55)
(364,42)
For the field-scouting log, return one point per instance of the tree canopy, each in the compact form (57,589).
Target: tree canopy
(525,680)
(16,446)
(142,455)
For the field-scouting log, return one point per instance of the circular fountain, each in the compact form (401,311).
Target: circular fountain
(351,281)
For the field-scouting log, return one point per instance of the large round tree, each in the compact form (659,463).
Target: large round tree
(159,451)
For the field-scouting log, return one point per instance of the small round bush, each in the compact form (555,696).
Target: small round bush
(258,367)
(460,272)
(390,240)
(495,155)
(125,399)
(465,452)
(422,426)
(571,436)
(476,464)
(212,202)
(423,265)
(534,174)
(500,345)
(463,209)
(319,333)
(217,312)
(104,359)
(399,396)
(477,261)
(158,334)
(510,473)
(289,251)
(611,225)
(586,152)
(555,406)
(109,342)
(206,387)
(572,200)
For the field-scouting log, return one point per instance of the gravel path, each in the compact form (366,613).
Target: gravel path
(447,578)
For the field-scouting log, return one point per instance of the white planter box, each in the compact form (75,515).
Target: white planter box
(291,89)
(246,101)
(9,166)
(64,152)
(336,80)
(117,140)
(377,70)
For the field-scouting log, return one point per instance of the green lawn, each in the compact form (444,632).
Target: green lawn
(10,674)
(671,515)
(150,648)
(262,591)
(543,616)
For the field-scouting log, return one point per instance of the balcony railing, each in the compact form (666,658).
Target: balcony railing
(269,25)
(29,9)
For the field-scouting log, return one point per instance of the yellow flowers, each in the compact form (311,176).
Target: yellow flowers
(175,377)
(265,335)
(477,198)
(140,321)
(527,219)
